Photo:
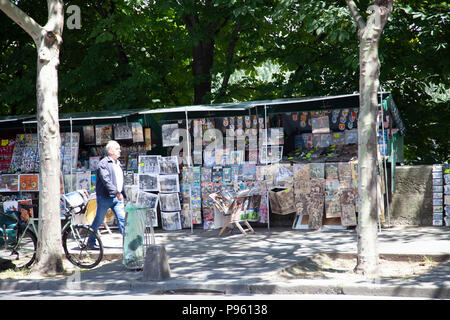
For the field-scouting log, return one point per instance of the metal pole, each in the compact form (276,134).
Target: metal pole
(384,164)
(188,159)
(267,151)
(71,157)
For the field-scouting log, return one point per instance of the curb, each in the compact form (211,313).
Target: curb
(331,287)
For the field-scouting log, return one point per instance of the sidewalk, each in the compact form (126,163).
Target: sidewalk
(202,262)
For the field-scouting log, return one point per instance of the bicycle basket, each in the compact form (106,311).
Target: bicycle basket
(75,201)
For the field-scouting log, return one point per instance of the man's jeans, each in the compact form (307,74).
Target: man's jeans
(103,204)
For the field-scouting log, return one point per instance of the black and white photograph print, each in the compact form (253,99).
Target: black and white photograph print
(169,202)
(170,136)
(147,199)
(148,164)
(137,132)
(148,182)
(122,131)
(171,220)
(169,183)
(168,165)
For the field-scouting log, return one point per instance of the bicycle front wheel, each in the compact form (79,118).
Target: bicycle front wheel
(75,243)
(21,255)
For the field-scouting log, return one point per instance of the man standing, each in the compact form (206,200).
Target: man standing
(109,189)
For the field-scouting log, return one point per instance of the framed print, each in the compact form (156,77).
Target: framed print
(171,220)
(170,135)
(122,131)
(9,182)
(137,132)
(93,163)
(148,182)
(148,164)
(169,183)
(88,135)
(168,165)
(147,199)
(169,202)
(103,133)
(29,182)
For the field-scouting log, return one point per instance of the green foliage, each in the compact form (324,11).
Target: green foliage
(137,54)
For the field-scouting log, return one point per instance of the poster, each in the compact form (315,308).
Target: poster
(25,208)
(169,183)
(147,199)
(83,180)
(169,202)
(168,165)
(148,139)
(103,133)
(93,163)
(148,164)
(122,131)
(29,182)
(9,182)
(148,182)
(302,182)
(171,220)
(88,135)
(332,199)
(170,135)
(6,153)
(137,132)
(320,124)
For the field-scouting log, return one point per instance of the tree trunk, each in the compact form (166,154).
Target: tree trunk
(369,35)
(203,54)
(49,257)
(48,40)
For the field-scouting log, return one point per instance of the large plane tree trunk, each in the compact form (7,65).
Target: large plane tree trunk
(369,34)
(48,40)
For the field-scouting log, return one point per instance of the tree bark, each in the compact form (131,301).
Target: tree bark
(48,40)
(369,35)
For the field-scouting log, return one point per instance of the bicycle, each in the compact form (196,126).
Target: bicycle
(18,239)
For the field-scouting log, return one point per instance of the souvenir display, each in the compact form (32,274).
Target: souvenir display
(6,153)
(25,156)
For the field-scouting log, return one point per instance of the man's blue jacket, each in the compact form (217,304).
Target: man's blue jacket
(106,184)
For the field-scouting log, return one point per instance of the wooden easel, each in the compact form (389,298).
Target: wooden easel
(236,224)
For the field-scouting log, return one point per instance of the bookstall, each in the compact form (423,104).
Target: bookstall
(300,153)
(83,136)
(290,162)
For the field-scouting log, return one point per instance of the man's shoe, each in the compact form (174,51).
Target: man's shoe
(93,247)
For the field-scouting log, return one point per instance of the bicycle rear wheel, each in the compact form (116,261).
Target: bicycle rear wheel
(22,255)
(75,245)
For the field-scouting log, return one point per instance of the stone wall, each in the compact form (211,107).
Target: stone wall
(412,202)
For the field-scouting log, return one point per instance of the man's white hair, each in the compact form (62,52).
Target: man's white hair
(111,144)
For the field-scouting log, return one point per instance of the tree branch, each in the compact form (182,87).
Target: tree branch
(356,15)
(21,18)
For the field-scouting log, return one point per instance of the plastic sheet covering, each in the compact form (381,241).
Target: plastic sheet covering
(137,237)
